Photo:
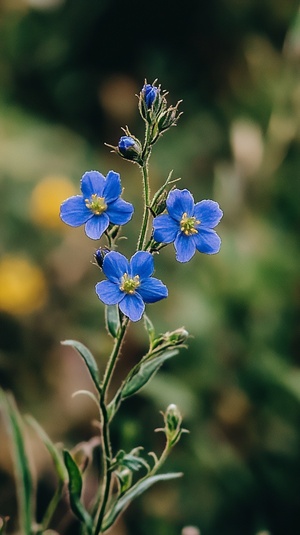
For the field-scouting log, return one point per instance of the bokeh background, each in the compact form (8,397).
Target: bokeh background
(69,72)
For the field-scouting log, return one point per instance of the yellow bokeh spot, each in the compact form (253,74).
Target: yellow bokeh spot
(23,286)
(46,199)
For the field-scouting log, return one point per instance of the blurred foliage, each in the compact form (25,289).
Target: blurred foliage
(69,70)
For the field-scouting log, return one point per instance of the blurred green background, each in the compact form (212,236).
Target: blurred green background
(69,72)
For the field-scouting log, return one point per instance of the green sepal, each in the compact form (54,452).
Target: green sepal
(75,488)
(89,360)
(23,475)
(143,372)
(135,491)
(112,319)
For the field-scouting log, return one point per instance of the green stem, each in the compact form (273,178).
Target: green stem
(107,453)
(146,214)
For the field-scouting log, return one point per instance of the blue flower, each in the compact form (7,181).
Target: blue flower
(189,225)
(130,284)
(149,91)
(98,206)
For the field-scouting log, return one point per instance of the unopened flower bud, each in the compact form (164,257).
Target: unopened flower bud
(178,337)
(99,255)
(130,148)
(168,118)
(151,102)
(160,205)
(173,421)
(149,93)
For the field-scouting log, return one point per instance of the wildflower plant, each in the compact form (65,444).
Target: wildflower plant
(126,287)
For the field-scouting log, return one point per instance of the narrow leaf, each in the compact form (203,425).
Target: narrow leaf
(23,475)
(134,492)
(88,358)
(149,328)
(143,372)
(54,452)
(112,318)
(75,488)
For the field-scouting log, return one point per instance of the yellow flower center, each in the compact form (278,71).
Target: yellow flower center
(187,225)
(96,204)
(129,284)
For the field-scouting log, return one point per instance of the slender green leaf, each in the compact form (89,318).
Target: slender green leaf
(143,372)
(134,492)
(112,318)
(88,358)
(54,452)
(149,328)
(22,469)
(75,488)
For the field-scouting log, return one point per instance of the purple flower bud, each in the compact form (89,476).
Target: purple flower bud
(100,254)
(149,91)
(129,148)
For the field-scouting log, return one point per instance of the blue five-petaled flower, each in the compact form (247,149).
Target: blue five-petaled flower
(130,283)
(189,225)
(98,206)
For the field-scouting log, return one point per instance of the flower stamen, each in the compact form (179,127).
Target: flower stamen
(96,204)
(129,284)
(187,225)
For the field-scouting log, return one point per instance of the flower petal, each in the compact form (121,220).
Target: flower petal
(114,266)
(165,229)
(92,182)
(120,212)
(207,241)
(180,201)
(208,212)
(142,264)
(74,212)
(109,292)
(152,290)
(132,306)
(95,226)
(112,189)
(185,247)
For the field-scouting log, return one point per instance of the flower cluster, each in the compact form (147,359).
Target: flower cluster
(177,218)
(169,216)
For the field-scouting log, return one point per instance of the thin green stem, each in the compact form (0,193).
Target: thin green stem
(107,453)
(146,214)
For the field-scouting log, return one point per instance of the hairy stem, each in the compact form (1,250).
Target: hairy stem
(146,214)
(106,442)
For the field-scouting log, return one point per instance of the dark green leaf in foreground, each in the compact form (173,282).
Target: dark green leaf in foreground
(75,488)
